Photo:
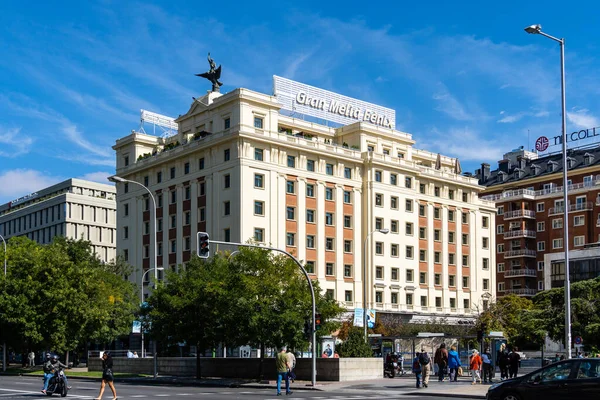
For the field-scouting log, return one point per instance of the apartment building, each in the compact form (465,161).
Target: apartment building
(73,208)
(528,191)
(242,168)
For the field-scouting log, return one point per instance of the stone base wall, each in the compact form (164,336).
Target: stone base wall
(328,369)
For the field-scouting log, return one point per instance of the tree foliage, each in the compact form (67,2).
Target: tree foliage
(354,345)
(59,295)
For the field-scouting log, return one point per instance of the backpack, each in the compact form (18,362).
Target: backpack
(424,358)
(416,366)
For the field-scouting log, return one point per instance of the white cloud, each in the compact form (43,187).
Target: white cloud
(290,71)
(582,119)
(449,105)
(452,142)
(509,119)
(19,142)
(100,176)
(19,182)
(73,134)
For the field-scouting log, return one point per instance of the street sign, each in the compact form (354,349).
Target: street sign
(578,340)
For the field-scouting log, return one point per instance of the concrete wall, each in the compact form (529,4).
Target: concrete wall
(328,369)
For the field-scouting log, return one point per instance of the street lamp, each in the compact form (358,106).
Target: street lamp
(142,302)
(118,179)
(537,29)
(385,232)
(4,344)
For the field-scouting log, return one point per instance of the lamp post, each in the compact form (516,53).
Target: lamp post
(385,232)
(118,179)
(142,302)
(4,344)
(537,29)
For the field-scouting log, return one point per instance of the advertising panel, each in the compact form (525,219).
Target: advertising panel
(320,103)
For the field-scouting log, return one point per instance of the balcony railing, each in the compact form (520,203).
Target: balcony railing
(519,214)
(520,233)
(521,292)
(585,206)
(534,193)
(520,272)
(519,253)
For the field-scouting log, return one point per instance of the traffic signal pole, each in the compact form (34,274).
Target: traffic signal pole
(310,285)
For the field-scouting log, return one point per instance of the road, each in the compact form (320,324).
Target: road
(28,388)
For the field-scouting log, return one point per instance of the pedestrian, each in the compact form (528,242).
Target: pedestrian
(441,360)
(31,358)
(107,375)
(425,362)
(502,358)
(475,365)
(129,354)
(282,371)
(135,354)
(453,363)
(514,359)
(291,358)
(416,369)
(487,366)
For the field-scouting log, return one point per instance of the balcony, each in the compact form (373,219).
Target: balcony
(519,214)
(519,234)
(520,253)
(533,194)
(521,292)
(513,273)
(585,206)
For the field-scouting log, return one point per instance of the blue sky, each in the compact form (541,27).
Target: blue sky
(463,77)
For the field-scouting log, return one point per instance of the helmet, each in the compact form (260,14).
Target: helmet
(54,358)
(48,355)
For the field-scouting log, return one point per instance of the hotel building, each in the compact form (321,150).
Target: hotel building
(74,208)
(239,168)
(528,191)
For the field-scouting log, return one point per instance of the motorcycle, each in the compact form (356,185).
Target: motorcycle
(392,368)
(57,384)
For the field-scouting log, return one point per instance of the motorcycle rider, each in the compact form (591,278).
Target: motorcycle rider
(50,366)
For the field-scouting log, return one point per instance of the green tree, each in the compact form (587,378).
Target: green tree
(354,345)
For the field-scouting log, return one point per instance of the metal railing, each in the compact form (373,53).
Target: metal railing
(519,214)
(520,233)
(534,193)
(520,272)
(521,292)
(585,206)
(519,253)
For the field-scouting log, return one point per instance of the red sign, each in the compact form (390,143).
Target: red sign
(542,143)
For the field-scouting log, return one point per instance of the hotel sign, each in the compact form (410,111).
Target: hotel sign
(23,199)
(542,143)
(319,103)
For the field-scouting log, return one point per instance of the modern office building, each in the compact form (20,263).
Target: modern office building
(528,191)
(74,208)
(243,165)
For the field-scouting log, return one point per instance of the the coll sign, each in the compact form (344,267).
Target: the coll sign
(23,199)
(309,100)
(571,137)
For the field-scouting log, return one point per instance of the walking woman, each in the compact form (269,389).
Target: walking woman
(107,375)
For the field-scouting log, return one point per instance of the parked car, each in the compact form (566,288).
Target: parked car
(577,378)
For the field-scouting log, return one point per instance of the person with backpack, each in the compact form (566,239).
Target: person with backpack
(416,369)
(453,363)
(441,360)
(425,362)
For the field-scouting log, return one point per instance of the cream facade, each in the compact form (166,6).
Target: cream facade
(240,169)
(74,208)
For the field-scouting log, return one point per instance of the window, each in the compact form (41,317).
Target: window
(202,188)
(409,228)
(329,169)
(378,176)
(541,287)
(394,298)
(437,279)
(451,237)
(501,287)
(485,264)
(173,248)
(409,275)
(465,261)
(310,267)
(329,244)
(485,242)
(437,235)
(347,221)
(541,246)
(328,193)
(437,257)
(436,191)
(186,168)
(126,160)
(438,302)
(258,154)
(451,258)
(290,239)
(125,209)
(328,218)
(227,181)
(486,284)
(484,222)
(541,226)
(409,251)
(187,218)
(423,301)
(125,232)
(378,223)
(310,241)
(259,234)
(465,282)
(451,280)
(579,240)
(226,155)
(290,187)
(421,210)
(557,223)
(258,122)
(408,182)
(227,123)
(227,208)
(464,217)
(436,212)
(394,250)
(347,173)
(348,295)
(146,180)
(539,207)
(451,194)
(202,214)
(291,161)
(310,190)
(540,265)
(378,199)
(422,188)
(378,272)
(500,248)
(393,202)
(347,246)
(290,213)
(173,196)
(379,248)
(395,274)
(378,297)
(310,165)
(393,179)
(451,215)
(347,271)
(465,197)
(259,181)
(579,220)
(201,163)
(409,299)
(172,172)
(329,269)
(500,267)
(347,198)
(422,255)
(422,233)
(187,193)
(125,188)
(310,216)
(408,205)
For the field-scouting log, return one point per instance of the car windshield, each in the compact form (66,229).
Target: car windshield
(588,369)
(553,373)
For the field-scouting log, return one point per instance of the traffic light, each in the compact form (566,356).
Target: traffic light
(307,330)
(203,245)
(318,321)
(480,335)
